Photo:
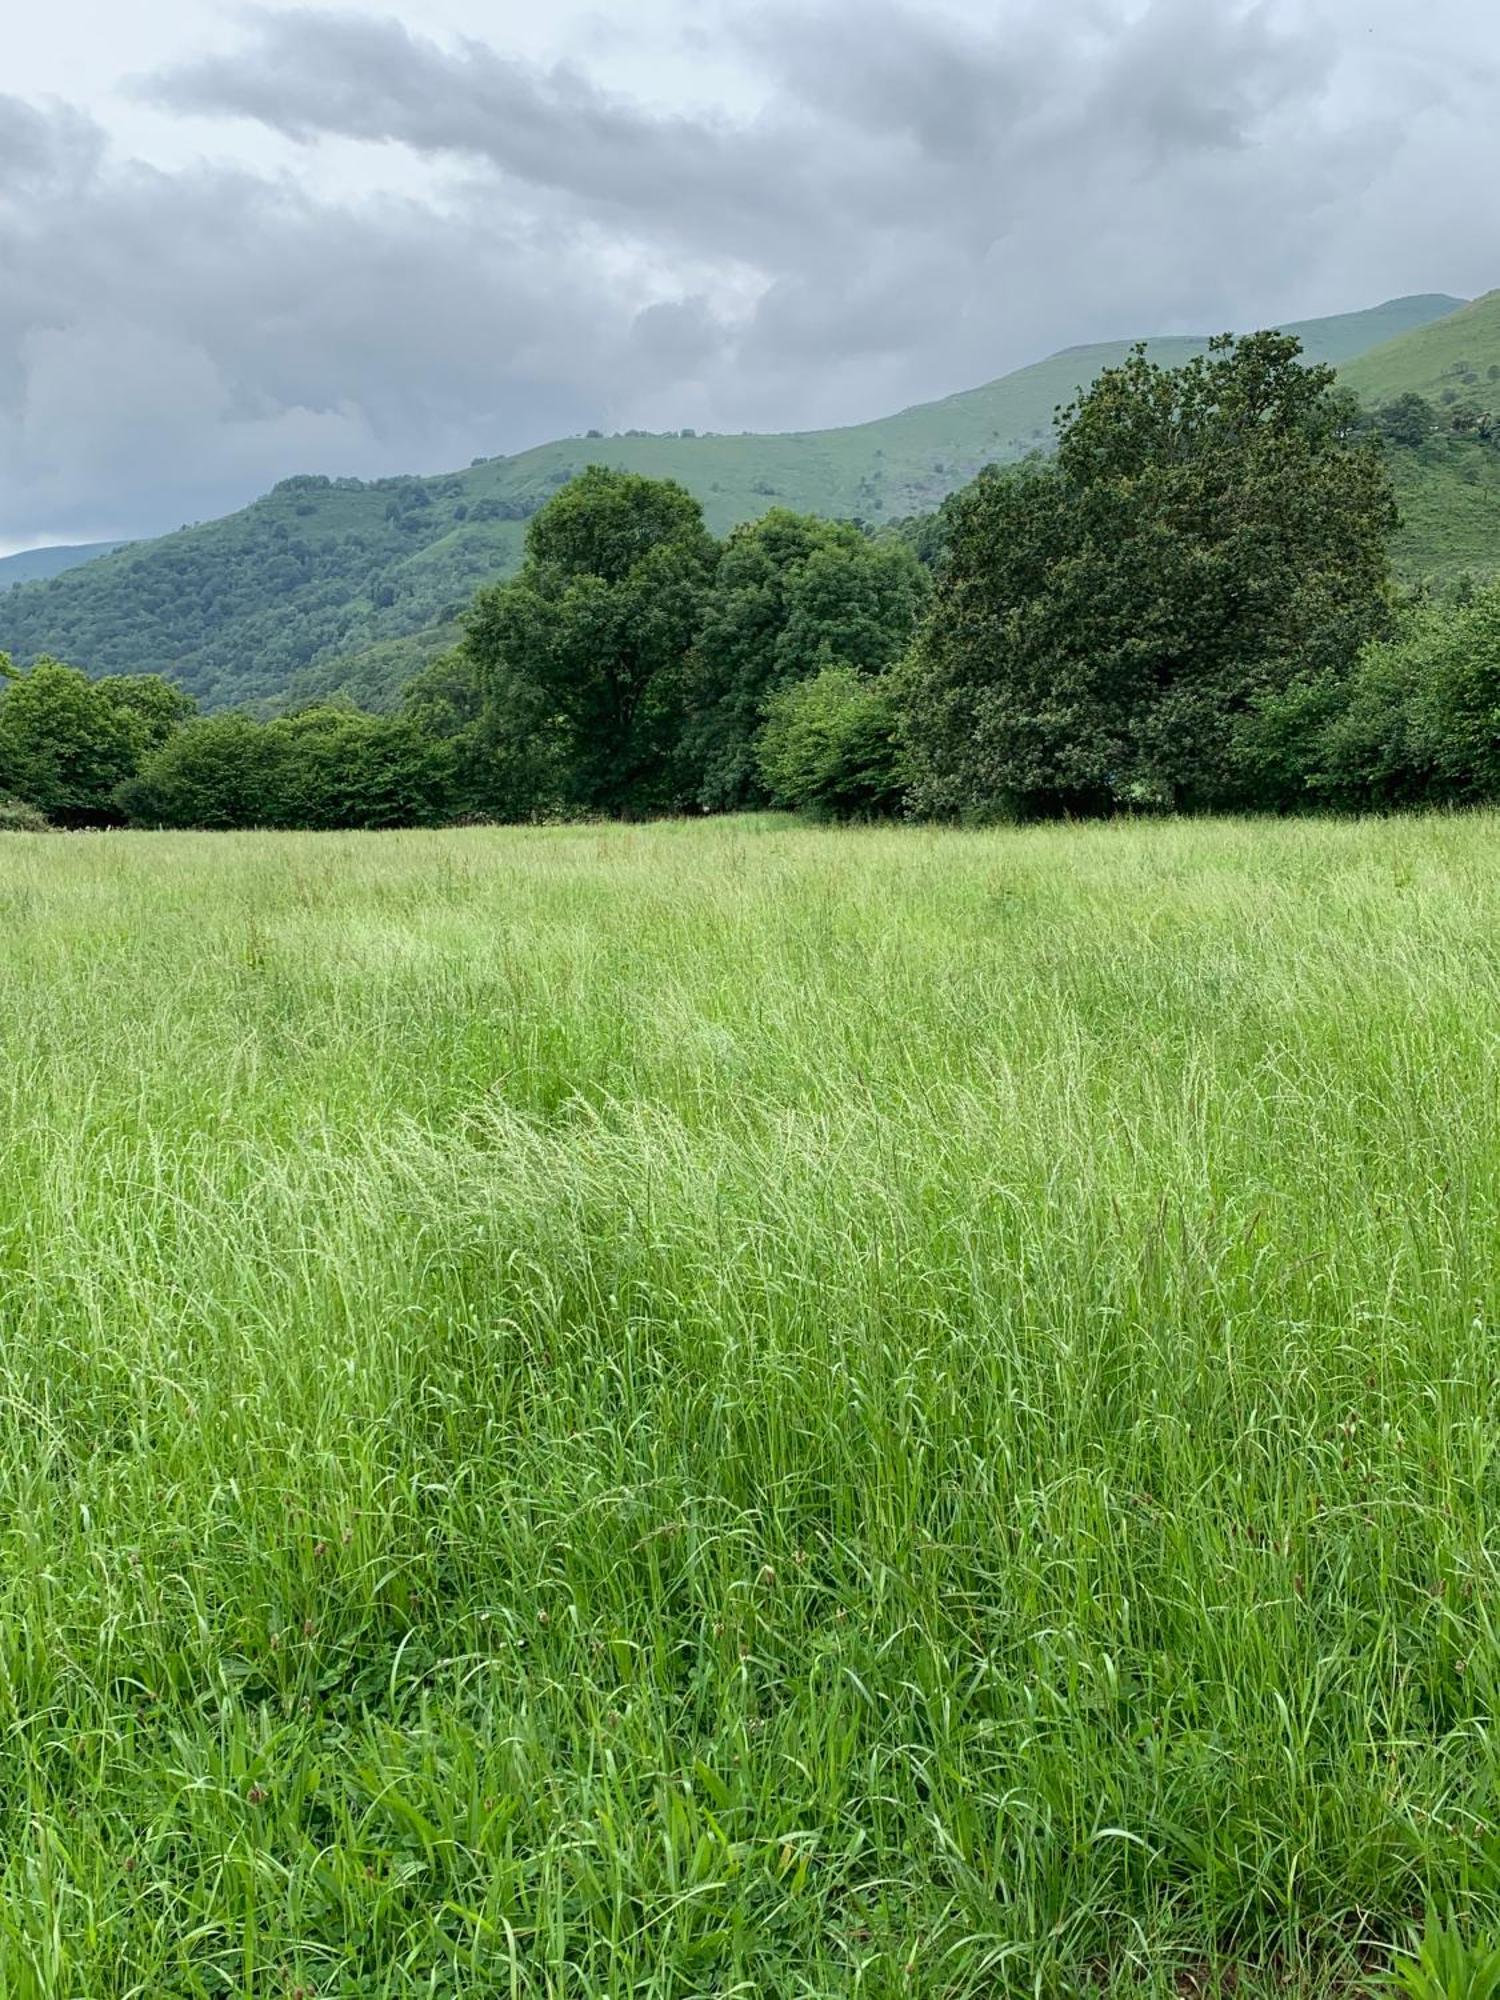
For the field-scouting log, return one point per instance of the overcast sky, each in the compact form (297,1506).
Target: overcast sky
(241,242)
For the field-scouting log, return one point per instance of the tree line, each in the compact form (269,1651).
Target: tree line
(1189,606)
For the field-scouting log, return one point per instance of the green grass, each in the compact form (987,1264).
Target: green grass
(727,1409)
(1459,353)
(1449,496)
(347,585)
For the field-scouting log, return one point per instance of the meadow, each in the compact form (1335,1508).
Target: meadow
(735,1409)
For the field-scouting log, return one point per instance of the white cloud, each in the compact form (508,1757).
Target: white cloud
(415,247)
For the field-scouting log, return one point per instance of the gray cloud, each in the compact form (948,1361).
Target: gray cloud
(922,202)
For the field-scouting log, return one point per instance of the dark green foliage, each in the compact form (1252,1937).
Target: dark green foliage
(506,751)
(1408,421)
(320,768)
(151,707)
(339,767)
(926,535)
(1106,622)
(591,640)
(791,596)
(219,773)
(67,743)
(829,746)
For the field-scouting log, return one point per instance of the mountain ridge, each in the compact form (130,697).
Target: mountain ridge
(1449,360)
(37,565)
(271,599)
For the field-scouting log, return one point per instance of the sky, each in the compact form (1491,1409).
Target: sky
(239,242)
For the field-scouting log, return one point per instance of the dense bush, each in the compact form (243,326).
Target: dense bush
(1418,720)
(16,816)
(829,746)
(322,768)
(218,772)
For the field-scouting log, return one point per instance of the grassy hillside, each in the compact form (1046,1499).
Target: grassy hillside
(1449,492)
(727,1409)
(1454,360)
(319,570)
(1450,487)
(33,565)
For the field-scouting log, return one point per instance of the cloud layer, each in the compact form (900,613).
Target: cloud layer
(918,204)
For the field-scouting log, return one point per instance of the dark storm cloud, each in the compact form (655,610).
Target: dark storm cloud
(307,74)
(887,121)
(45,148)
(919,204)
(172,344)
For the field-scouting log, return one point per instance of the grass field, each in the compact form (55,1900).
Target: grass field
(734,1410)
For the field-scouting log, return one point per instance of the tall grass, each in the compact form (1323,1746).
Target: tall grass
(731,1410)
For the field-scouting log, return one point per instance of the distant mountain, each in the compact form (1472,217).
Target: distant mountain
(326,583)
(31,565)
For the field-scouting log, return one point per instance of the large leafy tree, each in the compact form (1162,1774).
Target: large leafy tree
(588,646)
(1108,624)
(792,596)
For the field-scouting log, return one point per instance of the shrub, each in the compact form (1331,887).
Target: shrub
(16,816)
(1419,722)
(829,746)
(322,768)
(217,773)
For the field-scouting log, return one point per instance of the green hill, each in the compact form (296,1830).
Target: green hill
(1449,494)
(1453,360)
(32,565)
(1449,487)
(345,582)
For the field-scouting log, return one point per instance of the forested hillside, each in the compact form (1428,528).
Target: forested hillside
(343,583)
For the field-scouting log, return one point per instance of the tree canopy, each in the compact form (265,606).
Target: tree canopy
(590,641)
(1188,608)
(1106,621)
(791,597)
(68,742)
